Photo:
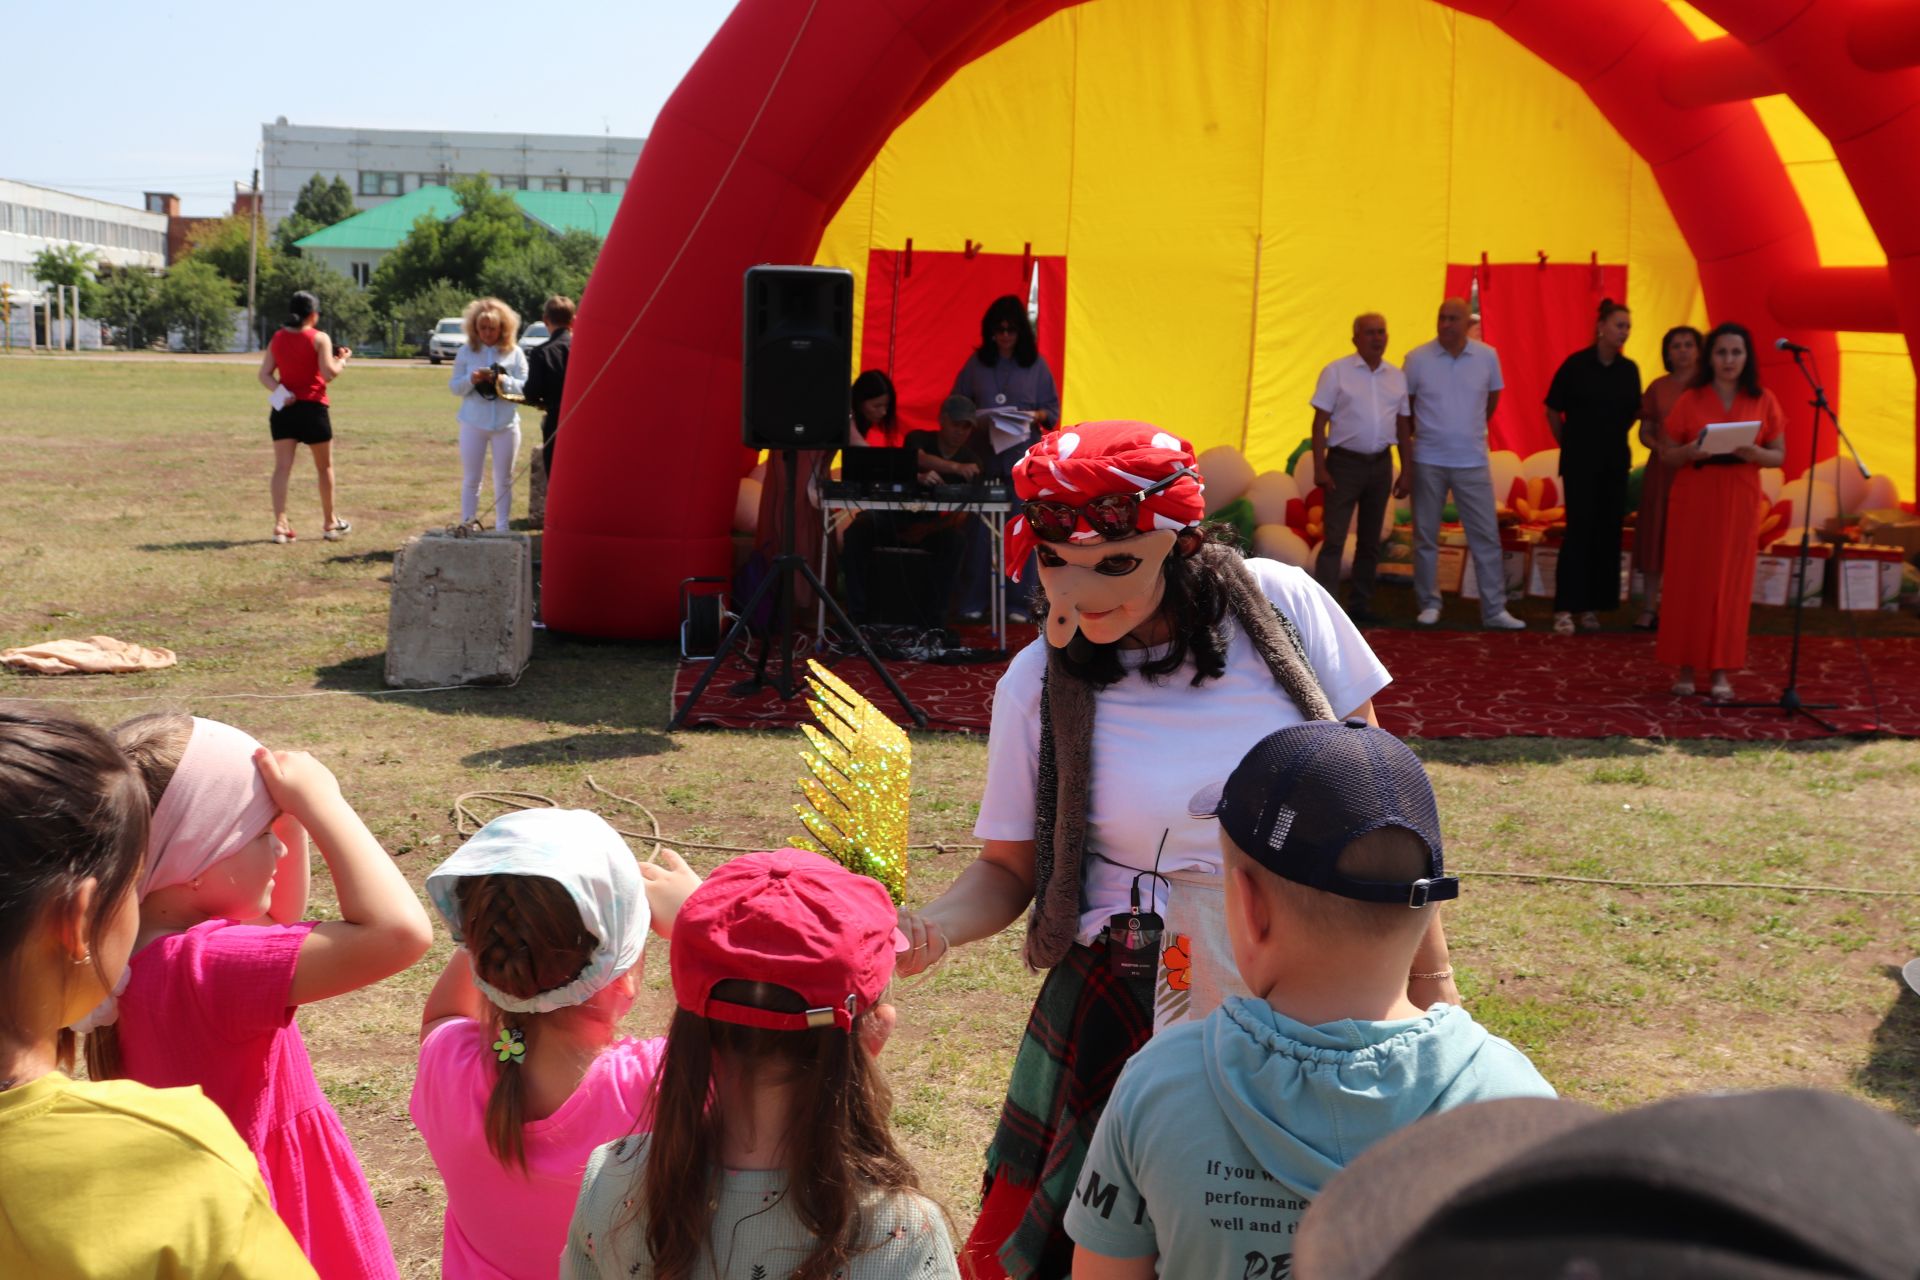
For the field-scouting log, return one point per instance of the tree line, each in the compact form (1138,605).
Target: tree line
(490,248)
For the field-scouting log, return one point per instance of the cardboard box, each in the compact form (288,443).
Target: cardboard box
(1905,537)
(1513,567)
(1783,559)
(1869,577)
(1542,570)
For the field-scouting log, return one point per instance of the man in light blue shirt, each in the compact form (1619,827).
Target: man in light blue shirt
(1453,384)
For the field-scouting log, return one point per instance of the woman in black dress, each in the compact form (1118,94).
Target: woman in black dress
(1591,407)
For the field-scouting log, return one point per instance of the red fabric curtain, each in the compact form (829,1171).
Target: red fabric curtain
(1535,315)
(922,319)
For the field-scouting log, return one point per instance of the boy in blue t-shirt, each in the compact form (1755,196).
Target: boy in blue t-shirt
(1221,1132)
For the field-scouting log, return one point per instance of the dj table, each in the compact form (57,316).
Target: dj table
(991,511)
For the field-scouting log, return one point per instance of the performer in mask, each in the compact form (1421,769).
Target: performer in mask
(1166,657)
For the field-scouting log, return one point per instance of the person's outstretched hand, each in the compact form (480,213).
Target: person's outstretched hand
(926,944)
(669,883)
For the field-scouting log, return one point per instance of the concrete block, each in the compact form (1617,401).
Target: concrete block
(461,610)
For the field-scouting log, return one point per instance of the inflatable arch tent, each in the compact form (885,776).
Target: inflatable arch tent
(1200,196)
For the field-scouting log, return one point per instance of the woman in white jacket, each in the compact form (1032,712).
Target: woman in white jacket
(489,366)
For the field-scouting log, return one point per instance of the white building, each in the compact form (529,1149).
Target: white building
(380,164)
(34,219)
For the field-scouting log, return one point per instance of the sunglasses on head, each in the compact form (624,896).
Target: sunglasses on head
(1111,515)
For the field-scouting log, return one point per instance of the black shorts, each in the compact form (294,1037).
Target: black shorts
(303,420)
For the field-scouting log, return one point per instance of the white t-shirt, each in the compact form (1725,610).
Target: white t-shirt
(1155,744)
(1363,406)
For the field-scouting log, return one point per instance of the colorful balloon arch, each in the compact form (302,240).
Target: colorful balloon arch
(790,104)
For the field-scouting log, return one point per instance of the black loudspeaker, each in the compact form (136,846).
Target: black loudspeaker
(798,347)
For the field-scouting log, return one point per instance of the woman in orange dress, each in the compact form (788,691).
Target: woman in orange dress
(1680,353)
(1713,512)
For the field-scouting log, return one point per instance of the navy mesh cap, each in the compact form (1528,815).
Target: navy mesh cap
(1304,793)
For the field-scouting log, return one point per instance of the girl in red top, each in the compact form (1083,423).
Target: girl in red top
(1713,512)
(299,363)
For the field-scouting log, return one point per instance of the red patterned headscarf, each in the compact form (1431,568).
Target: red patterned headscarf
(1080,463)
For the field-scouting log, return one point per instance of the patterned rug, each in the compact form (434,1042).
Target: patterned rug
(1468,684)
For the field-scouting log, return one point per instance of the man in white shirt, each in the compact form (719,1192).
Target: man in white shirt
(1359,414)
(1453,384)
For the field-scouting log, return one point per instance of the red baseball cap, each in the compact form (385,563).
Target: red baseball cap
(794,919)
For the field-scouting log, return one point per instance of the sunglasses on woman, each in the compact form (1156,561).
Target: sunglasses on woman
(1111,515)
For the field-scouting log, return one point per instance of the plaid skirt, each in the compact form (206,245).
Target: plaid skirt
(1086,1023)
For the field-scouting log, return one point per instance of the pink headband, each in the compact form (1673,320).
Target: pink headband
(216,803)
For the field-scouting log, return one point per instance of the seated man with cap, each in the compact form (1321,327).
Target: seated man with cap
(1221,1132)
(940,457)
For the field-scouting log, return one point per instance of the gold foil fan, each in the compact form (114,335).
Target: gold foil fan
(861,767)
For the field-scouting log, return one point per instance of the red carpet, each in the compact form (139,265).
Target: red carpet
(1473,684)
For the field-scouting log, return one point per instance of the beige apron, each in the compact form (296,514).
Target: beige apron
(1196,970)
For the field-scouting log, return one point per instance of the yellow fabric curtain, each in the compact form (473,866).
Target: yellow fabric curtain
(1231,182)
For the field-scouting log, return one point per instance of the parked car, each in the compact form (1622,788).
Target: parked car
(535,335)
(446,339)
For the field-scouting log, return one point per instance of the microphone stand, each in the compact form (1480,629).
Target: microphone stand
(1789,700)
(781,574)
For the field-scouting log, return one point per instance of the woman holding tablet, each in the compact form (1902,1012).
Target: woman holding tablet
(1713,513)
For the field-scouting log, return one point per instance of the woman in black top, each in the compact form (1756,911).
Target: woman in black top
(1591,407)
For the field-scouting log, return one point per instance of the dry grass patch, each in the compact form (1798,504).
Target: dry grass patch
(136,507)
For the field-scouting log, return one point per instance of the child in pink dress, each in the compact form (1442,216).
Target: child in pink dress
(522,1073)
(222,961)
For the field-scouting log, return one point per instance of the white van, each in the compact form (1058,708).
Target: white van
(446,339)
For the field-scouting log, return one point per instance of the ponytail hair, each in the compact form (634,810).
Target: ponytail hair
(839,1150)
(154,744)
(1607,307)
(302,305)
(71,809)
(525,936)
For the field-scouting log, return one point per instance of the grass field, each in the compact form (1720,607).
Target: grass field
(136,506)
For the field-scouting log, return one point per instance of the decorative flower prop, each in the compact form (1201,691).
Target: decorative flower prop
(512,1045)
(1774,517)
(1175,996)
(1308,516)
(1536,500)
(857,798)
(1179,961)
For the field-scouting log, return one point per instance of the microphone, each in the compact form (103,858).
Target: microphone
(1785,344)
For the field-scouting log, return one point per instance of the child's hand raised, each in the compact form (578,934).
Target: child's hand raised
(298,783)
(669,882)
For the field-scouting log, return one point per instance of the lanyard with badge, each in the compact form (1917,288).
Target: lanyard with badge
(1133,935)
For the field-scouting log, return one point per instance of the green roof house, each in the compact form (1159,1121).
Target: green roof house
(355,246)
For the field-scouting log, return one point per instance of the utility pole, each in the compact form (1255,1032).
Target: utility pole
(253,258)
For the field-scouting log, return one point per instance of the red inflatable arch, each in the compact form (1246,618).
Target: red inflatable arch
(790,104)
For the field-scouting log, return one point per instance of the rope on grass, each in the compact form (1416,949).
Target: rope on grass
(1696,884)
(466,821)
(510,800)
(267,697)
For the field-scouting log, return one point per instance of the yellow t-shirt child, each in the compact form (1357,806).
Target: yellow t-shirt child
(113,1179)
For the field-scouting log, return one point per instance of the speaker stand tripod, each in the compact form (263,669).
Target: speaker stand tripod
(1789,700)
(786,566)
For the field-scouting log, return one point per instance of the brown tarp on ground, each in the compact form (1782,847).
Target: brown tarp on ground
(96,655)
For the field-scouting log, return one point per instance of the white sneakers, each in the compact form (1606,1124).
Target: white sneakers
(1504,621)
(1427,617)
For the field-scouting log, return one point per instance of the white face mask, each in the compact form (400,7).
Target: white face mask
(1103,589)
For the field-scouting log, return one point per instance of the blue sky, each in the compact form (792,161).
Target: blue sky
(171,96)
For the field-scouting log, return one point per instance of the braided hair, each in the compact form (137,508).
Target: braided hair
(525,936)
